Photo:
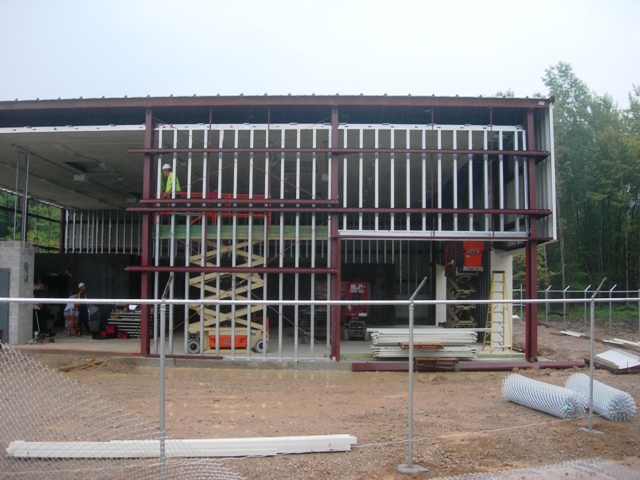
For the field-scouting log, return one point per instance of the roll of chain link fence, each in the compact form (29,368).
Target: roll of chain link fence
(608,401)
(552,399)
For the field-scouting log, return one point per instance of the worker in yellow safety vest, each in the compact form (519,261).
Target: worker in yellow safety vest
(170,187)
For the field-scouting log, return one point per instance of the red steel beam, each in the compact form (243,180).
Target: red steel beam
(342,151)
(336,259)
(279,100)
(531,259)
(146,249)
(467,366)
(336,210)
(240,201)
(197,269)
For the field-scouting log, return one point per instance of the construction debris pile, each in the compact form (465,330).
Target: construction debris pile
(428,342)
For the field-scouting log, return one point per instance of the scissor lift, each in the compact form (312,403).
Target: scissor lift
(463,263)
(234,328)
(461,288)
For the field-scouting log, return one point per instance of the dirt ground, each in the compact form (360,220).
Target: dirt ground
(462,423)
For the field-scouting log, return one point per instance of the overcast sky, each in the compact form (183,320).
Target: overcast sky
(94,48)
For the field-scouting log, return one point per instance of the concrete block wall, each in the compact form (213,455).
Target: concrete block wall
(19,257)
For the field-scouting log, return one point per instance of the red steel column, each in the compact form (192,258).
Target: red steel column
(146,287)
(531,256)
(335,242)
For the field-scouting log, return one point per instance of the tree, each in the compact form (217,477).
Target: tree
(597,155)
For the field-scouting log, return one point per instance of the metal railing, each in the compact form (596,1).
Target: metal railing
(603,304)
(572,300)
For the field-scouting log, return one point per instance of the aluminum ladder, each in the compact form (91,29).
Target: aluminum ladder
(498,315)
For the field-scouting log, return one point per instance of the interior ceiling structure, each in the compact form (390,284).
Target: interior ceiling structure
(82,169)
(77,151)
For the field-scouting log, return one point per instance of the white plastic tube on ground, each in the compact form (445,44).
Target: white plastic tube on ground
(609,402)
(552,399)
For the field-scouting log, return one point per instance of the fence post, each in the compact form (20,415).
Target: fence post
(522,306)
(610,306)
(564,305)
(409,467)
(585,305)
(546,309)
(591,342)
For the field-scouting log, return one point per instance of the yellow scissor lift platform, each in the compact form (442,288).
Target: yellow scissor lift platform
(231,329)
(234,328)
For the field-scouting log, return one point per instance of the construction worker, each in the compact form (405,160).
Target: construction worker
(83,308)
(169,186)
(69,315)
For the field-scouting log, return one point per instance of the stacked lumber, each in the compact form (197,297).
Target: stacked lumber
(222,447)
(427,342)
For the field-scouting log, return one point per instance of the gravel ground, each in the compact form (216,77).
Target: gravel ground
(462,423)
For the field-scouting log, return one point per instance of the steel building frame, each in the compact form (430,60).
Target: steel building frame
(297,187)
(385,183)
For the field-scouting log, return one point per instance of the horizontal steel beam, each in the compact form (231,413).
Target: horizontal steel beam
(474,366)
(240,201)
(280,100)
(163,206)
(342,151)
(247,270)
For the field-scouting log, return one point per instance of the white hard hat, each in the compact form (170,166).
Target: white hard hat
(81,285)
(166,166)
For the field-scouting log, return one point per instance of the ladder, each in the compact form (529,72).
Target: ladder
(498,317)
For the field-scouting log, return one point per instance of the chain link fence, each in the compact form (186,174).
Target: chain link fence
(615,310)
(38,404)
(587,469)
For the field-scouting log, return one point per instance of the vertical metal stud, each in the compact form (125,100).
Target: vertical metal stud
(470,184)
(392,176)
(423,183)
(281,248)
(377,180)
(312,316)
(439,160)
(501,178)
(455,180)
(485,159)
(345,191)
(408,179)
(360,176)
(516,179)
(296,295)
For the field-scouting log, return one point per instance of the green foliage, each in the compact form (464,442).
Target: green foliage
(43,221)
(598,178)
(545,275)
(507,94)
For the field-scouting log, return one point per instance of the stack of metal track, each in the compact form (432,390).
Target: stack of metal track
(457,342)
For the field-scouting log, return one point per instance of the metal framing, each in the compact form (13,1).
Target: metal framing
(102,231)
(472,182)
(356,180)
